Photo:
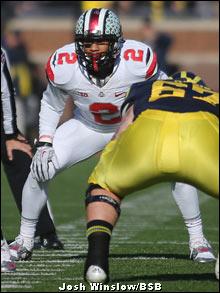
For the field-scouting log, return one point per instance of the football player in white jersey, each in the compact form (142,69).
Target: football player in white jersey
(97,72)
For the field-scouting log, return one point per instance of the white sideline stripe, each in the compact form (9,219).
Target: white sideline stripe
(29,274)
(16,286)
(53,252)
(42,265)
(37,282)
(56,261)
(162,242)
(21,282)
(22,270)
(142,257)
(66,235)
(128,242)
(72,237)
(60,255)
(70,279)
(75,241)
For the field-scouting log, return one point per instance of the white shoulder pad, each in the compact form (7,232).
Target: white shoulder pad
(139,58)
(60,65)
(162,75)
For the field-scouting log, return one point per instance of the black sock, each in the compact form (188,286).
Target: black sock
(99,235)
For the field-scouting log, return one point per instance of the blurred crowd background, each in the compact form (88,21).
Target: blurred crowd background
(184,35)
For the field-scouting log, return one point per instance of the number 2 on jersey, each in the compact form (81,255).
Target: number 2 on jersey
(67,58)
(103,110)
(134,55)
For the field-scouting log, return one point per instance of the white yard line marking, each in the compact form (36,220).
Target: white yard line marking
(29,274)
(134,216)
(34,270)
(20,282)
(16,286)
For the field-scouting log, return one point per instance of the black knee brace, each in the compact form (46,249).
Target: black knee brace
(101,198)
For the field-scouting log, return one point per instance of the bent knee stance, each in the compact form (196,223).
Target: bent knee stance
(101,197)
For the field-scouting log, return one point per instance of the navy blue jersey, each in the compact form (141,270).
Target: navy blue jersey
(171,95)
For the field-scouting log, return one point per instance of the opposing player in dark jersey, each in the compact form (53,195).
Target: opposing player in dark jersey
(169,133)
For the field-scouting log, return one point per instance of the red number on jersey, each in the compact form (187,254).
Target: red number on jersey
(66,57)
(134,55)
(98,109)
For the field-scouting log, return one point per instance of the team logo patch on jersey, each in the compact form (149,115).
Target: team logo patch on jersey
(81,94)
(120,94)
(101,94)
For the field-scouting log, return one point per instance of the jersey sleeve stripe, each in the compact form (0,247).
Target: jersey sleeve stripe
(49,70)
(148,56)
(152,66)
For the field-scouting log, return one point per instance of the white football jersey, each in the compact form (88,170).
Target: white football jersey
(97,107)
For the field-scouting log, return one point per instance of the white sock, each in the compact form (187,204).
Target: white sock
(186,198)
(28,227)
(34,198)
(194,227)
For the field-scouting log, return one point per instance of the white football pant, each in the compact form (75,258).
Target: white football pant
(74,142)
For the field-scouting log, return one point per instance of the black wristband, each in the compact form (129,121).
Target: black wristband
(42,143)
(13,135)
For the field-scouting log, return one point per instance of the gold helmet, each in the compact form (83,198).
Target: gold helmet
(187,76)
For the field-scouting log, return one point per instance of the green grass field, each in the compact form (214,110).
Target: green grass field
(149,244)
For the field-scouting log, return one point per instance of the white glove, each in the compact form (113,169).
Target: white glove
(44,164)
